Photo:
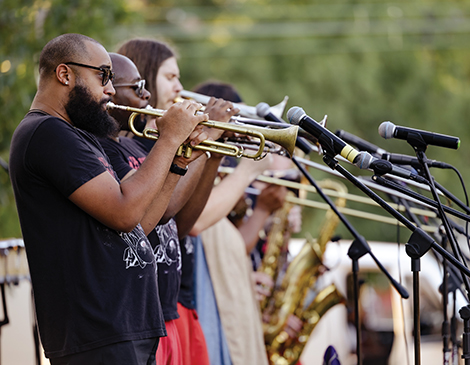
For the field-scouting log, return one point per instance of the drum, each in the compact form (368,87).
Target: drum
(13,262)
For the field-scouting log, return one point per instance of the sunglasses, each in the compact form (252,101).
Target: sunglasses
(106,76)
(138,87)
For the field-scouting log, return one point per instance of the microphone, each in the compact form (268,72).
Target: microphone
(381,167)
(263,111)
(361,144)
(400,159)
(395,158)
(329,141)
(389,130)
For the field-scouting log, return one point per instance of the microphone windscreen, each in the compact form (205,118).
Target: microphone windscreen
(363,160)
(386,130)
(295,114)
(262,109)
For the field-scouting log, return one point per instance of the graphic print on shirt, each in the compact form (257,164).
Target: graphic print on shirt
(135,162)
(139,251)
(108,167)
(188,245)
(168,250)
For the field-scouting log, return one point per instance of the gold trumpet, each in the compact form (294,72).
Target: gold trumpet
(286,137)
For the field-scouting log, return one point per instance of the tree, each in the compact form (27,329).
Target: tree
(25,27)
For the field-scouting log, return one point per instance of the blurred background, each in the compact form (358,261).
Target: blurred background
(360,62)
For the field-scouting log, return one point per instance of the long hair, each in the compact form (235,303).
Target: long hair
(148,55)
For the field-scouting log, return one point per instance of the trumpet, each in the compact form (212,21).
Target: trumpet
(245,110)
(286,137)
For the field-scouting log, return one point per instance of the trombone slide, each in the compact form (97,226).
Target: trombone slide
(245,110)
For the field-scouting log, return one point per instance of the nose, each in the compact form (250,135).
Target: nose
(109,89)
(178,86)
(145,94)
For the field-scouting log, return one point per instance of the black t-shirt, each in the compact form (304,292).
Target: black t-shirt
(125,155)
(168,255)
(128,154)
(186,294)
(92,286)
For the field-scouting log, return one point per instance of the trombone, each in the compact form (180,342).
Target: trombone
(286,137)
(333,193)
(245,110)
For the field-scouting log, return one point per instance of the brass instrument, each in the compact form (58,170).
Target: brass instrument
(351,197)
(290,297)
(245,110)
(276,245)
(284,137)
(325,299)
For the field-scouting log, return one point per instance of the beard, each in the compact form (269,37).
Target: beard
(89,115)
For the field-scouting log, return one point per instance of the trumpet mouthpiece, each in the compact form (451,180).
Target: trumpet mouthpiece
(110,105)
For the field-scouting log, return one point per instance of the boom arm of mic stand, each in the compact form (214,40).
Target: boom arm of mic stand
(358,248)
(424,199)
(361,251)
(420,242)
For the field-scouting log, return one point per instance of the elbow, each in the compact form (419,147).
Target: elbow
(125,225)
(196,230)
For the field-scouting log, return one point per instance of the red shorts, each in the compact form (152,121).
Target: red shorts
(169,349)
(193,343)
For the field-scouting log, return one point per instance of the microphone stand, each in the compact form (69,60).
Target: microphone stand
(359,247)
(449,285)
(393,185)
(419,243)
(418,144)
(446,351)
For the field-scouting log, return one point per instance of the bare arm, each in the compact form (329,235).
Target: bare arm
(226,194)
(271,199)
(123,206)
(187,216)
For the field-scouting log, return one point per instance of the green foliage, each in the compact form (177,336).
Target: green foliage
(25,27)
(359,62)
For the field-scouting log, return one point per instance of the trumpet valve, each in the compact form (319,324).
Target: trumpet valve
(179,151)
(188,151)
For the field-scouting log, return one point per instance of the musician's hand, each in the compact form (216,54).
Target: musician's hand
(263,284)
(271,198)
(219,110)
(293,326)
(179,122)
(295,219)
(254,168)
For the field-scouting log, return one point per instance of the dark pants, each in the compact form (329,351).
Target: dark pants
(140,352)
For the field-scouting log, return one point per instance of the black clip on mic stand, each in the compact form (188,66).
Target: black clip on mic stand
(359,247)
(419,243)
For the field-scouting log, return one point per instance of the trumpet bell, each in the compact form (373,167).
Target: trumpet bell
(285,137)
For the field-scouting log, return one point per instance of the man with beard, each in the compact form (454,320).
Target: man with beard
(126,156)
(92,268)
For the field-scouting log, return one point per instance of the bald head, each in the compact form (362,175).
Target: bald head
(123,67)
(70,47)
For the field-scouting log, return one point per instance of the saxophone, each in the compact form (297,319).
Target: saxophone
(301,275)
(276,247)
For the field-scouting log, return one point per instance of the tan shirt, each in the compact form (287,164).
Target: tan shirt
(230,269)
